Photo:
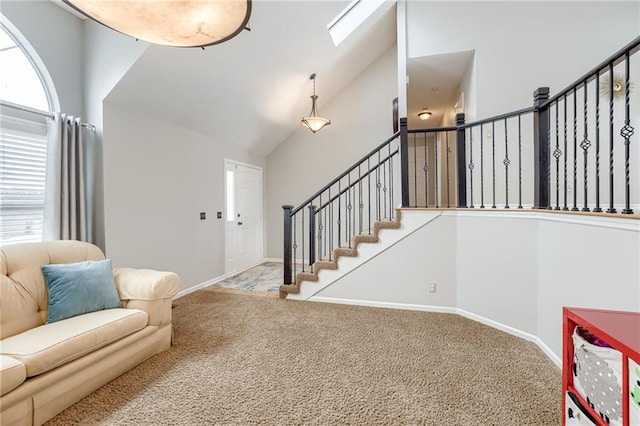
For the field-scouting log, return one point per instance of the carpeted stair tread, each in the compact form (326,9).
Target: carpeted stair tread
(370,237)
(324,264)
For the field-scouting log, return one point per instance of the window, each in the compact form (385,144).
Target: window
(23,164)
(25,103)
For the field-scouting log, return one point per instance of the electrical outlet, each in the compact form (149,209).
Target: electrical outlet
(203,215)
(433,287)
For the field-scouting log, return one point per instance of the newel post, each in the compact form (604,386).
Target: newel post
(461,161)
(541,144)
(287,243)
(404,162)
(312,234)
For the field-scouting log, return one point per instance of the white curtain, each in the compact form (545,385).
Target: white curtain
(67,208)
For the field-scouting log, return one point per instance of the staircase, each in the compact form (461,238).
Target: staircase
(523,165)
(351,250)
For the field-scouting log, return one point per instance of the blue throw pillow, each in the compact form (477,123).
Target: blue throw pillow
(80,288)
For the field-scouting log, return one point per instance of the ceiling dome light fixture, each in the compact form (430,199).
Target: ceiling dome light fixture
(424,114)
(179,23)
(314,122)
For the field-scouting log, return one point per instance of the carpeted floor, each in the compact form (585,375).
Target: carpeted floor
(242,359)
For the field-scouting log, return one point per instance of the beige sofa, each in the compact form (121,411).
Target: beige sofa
(45,368)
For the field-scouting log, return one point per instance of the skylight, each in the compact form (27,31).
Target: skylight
(351,18)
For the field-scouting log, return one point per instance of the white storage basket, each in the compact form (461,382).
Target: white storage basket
(597,377)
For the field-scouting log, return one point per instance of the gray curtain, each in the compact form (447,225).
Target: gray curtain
(67,201)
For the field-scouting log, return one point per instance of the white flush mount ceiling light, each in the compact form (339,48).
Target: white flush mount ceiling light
(179,23)
(314,122)
(424,114)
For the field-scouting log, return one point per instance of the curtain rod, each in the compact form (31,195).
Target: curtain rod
(46,114)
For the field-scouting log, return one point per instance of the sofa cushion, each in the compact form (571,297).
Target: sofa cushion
(79,288)
(12,374)
(22,286)
(46,347)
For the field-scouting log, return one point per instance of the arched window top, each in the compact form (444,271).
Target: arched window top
(24,79)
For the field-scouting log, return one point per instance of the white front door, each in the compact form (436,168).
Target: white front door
(243,236)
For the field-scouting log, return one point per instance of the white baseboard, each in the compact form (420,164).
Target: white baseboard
(197,287)
(374,304)
(514,332)
(449,310)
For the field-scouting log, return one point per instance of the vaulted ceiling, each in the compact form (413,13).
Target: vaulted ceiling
(253,90)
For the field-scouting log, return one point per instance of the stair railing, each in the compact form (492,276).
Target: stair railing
(349,205)
(477,164)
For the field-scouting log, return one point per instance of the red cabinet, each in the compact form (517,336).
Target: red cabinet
(621,331)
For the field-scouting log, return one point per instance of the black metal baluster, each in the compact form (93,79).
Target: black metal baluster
(435,149)
(330,221)
(471,166)
(320,254)
(519,162)
(585,144)
(326,235)
(597,208)
(360,204)
(415,172)
(556,154)
(347,211)
(493,162)
(378,186)
(384,187)
(356,204)
(506,163)
(391,180)
(575,151)
(448,187)
(339,209)
(331,243)
(626,132)
(481,166)
(295,248)
(566,176)
(369,190)
(302,232)
(312,236)
(611,83)
(425,169)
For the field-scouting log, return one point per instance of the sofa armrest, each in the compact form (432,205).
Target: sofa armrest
(148,290)
(145,284)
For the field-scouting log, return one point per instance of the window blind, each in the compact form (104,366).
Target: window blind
(23,165)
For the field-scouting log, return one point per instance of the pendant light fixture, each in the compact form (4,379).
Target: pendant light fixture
(179,23)
(314,122)
(424,114)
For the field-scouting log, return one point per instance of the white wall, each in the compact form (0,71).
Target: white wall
(520,46)
(402,275)
(158,178)
(108,55)
(497,268)
(361,119)
(57,38)
(582,265)
(509,269)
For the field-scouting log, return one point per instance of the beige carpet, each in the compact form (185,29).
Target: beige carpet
(242,359)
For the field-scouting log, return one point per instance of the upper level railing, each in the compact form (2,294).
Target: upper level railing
(587,132)
(547,156)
